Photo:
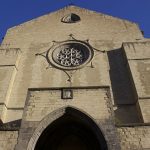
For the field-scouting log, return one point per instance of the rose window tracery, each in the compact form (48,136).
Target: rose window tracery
(70,57)
(70,54)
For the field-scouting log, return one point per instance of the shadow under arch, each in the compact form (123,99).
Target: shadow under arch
(67,128)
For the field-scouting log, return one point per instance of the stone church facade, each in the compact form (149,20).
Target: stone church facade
(75,79)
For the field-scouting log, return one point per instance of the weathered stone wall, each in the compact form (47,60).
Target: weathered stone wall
(123,91)
(8,140)
(134,138)
(138,56)
(9,59)
(94,101)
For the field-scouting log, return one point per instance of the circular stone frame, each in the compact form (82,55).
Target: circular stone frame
(86,49)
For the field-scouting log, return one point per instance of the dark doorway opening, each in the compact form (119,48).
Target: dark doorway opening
(71,133)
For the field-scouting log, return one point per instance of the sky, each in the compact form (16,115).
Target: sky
(15,12)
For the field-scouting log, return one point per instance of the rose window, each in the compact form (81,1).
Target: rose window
(70,55)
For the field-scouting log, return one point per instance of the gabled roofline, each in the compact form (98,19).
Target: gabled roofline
(67,7)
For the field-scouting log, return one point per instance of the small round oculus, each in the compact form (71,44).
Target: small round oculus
(70,55)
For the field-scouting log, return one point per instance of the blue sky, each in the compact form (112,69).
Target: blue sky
(14,12)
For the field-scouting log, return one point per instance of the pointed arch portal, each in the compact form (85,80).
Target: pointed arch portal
(73,130)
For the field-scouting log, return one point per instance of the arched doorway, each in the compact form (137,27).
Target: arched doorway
(72,131)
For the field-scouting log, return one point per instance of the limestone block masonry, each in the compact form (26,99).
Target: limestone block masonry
(75,79)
